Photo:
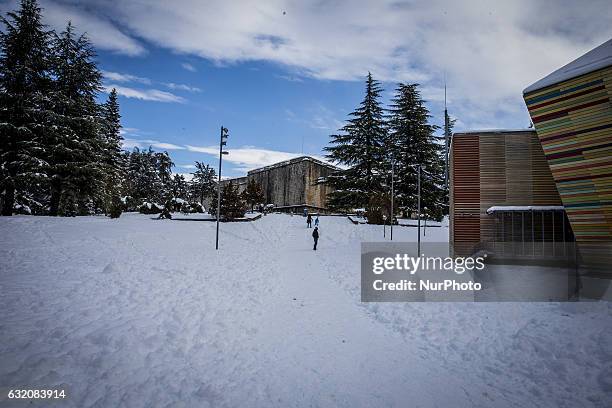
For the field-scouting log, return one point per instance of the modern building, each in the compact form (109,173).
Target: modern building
(292,185)
(502,191)
(530,189)
(572,113)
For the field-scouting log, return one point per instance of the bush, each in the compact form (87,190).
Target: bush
(116,207)
(150,208)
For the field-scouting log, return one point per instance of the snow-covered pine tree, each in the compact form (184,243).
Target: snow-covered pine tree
(232,204)
(204,182)
(254,193)
(359,146)
(164,166)
(24,81)
(179,191)
(142,181)
(75,168)
(412,142)
(112,158)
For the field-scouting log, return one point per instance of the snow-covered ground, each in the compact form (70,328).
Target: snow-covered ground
(136,312)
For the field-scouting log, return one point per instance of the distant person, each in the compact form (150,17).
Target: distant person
(315,236)
(317,221)
(309,221)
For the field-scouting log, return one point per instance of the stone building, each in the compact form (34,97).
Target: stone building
(292,185)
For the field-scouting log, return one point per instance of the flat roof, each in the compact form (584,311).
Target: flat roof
(513,208)
(598,58)
(294,161)
(493,131)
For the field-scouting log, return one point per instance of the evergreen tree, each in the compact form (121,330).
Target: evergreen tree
(412,142)
(254,194)
(24,81)
(204,182)
(360,147)
(164,166)
(232,204)
(179,187)
(75,167)
(112,158)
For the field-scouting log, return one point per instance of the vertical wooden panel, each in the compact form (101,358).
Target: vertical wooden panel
(465,184)
(494,168)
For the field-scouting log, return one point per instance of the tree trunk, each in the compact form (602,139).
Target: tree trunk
(56,193)
(9,200)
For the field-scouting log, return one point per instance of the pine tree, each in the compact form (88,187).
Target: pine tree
(254,194)
(75,167)
(412,142)
(204,182)
(24,81)
(113,160)
(232,204)
(164,166)
(360,147)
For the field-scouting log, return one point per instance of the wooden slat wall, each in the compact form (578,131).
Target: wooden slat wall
(492,164)
(494,168)
(465,186)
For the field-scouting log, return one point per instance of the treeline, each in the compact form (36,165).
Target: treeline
(60,149)
(376,138)
(149,185)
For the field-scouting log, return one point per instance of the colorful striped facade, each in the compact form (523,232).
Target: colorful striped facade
(573,120)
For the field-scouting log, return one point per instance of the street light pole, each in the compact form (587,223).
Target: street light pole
(222,142)
(419,210)
(392,192)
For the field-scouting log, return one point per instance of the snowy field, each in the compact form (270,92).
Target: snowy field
(142,313)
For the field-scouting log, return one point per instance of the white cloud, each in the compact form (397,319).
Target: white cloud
(129,143)
(101,31)
(181,87)
(248,157)
(155,95)
(119,77)
(129,78)
(290,78)
(188,67)
(489,50)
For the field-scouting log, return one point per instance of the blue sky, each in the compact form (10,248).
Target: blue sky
(285,74)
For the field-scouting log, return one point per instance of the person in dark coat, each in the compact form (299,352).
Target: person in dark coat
(315,236)
(309,221)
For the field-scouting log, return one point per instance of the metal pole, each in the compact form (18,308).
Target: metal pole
(419,211)
(219,187)
(392,192)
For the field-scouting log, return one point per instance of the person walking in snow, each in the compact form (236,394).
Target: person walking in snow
(317,221)
(309,221)
(315,236)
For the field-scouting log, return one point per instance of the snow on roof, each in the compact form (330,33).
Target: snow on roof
(471,132)
(499,208)
(293,161)
(598,58)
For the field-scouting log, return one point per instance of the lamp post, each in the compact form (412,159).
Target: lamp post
(392,192)
(419,209)
(222,142)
